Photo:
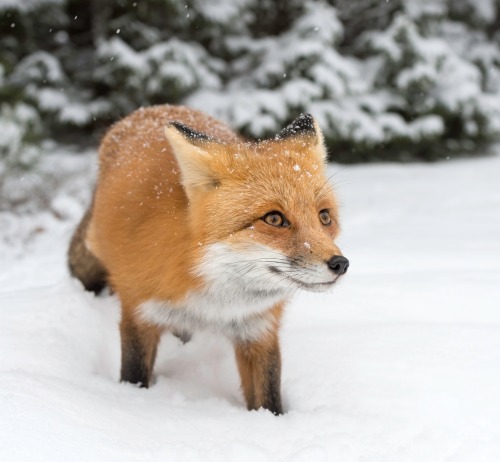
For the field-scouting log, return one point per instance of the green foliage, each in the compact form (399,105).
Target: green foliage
(400,80)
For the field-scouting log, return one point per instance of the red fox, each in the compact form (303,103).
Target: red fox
(194,228)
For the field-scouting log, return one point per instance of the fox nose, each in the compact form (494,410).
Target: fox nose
(338,264)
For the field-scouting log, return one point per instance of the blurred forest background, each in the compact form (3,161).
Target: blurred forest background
(386,79)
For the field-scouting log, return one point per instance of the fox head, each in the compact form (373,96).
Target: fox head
(263,213)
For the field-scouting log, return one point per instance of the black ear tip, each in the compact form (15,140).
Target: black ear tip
(306,121)
(177,125)
(302,125)
(188,132)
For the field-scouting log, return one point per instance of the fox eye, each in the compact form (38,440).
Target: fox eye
(275,218)
(324,217)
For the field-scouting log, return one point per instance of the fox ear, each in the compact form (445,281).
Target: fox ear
(305,126)
(191,150)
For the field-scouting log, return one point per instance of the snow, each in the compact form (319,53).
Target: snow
(174,63)
(400,362)
(221,11)
(39,66)
(24,5)
(272,77)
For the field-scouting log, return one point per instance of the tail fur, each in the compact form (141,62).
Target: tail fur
(82,263)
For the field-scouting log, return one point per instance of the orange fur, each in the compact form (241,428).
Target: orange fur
(139,228)
(162,198)
(259,365)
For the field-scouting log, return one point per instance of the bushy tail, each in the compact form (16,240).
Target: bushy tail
(82,263)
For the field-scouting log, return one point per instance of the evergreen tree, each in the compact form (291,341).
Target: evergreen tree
(272,78)
(386,80)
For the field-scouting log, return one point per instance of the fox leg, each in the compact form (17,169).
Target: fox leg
(259,364)
(139,345)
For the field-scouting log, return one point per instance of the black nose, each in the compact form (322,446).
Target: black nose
(338,264)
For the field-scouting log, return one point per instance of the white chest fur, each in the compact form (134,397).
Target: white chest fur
(239,292)
(239,321)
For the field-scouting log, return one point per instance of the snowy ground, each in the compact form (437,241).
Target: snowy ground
(401,362)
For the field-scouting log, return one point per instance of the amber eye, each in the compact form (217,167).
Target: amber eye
(324,217)
(275,218)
